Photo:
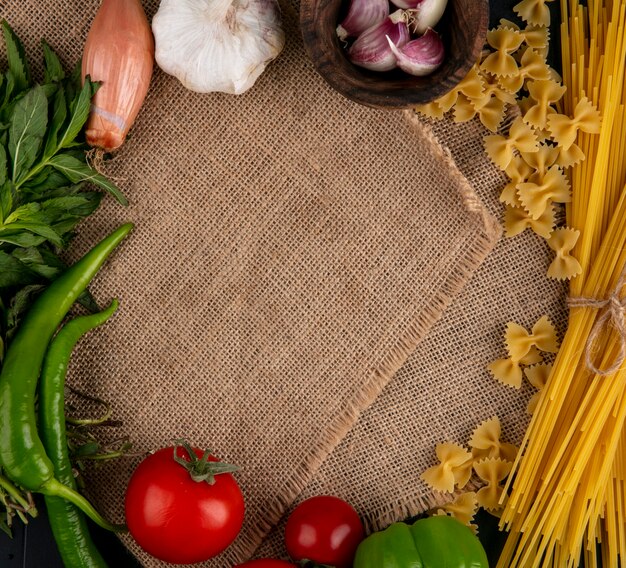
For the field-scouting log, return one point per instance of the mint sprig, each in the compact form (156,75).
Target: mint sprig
(46,184)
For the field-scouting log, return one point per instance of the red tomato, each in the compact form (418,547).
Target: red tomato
(324,529)
(177,519)
(266,563)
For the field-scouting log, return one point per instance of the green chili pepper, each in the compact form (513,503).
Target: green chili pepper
(68,523)
(428,543)
(22,454)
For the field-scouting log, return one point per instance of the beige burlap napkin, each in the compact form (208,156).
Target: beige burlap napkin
(444,390)
(291,250)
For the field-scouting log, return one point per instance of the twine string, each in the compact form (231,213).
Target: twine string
(613,313)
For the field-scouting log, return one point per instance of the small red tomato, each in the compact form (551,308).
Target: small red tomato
(183,506)
(324,529)
(266,563)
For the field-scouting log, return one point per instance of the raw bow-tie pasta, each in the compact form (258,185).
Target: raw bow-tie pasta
(509,371)
(553,186)
(534,12)
(501,150)
(471,86)
(485,442)
(492,471)
(505,41)
(532,66)
(491,106)
(455,468)
(523,349)
(542,336)
(564,129)
(463,508)
(537,376)
(535,37)
(518,171)
(544,93)
(540,161)
(564,266)
(570,157)
(431,110)
(517,220)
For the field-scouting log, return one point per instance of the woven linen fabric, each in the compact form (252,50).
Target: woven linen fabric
(291,249)
(444,390)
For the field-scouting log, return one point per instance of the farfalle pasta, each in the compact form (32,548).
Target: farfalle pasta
(537,195)
(541,160)
(492,471)
(565,129)
(564,266)
(532,67)
(463,508)
(472,86)
(523,349)
(485,442)
(544,93)
(569,157)
(505,41)
(546,143)
(517,220)
(534,12)
(509,371)
(454,468)
(535,37)
(537,376)
(518,171)
(502,149)
(519,341)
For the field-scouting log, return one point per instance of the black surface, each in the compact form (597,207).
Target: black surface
(33,546)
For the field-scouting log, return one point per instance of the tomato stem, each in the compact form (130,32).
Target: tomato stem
(201,469)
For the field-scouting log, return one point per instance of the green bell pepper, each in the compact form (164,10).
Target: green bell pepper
(436,542)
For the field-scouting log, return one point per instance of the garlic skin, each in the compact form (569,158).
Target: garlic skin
(371,49)
(420,56)
(424,14)
(362,14)
(119,53)
(217,45)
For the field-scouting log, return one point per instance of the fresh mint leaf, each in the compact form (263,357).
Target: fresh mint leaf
(38,229)
(9,86)
(25,212)
(16,57)
(34,261)
(27,130)
(20,238)
(19,305)
(48,179)
(13,273)
(79,111)
(3,165)
(77,171)
(74,83)
(59,114)
(6,200)
(53,70)
(81,205)
(55,210)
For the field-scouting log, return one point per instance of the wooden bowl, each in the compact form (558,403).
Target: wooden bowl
(463,29)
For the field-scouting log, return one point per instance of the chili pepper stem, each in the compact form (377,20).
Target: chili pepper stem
(55,488)
(15,494)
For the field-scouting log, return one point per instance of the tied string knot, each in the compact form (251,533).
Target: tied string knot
(613,313)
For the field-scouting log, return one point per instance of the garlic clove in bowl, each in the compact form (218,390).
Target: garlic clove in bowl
(217,45)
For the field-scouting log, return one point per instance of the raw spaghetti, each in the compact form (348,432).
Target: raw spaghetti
(567,497)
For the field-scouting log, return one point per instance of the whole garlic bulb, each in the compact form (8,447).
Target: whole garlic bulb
(217,45)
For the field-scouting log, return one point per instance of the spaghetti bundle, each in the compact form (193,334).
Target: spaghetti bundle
(567,496)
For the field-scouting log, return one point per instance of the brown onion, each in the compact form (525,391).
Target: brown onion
(119,53)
